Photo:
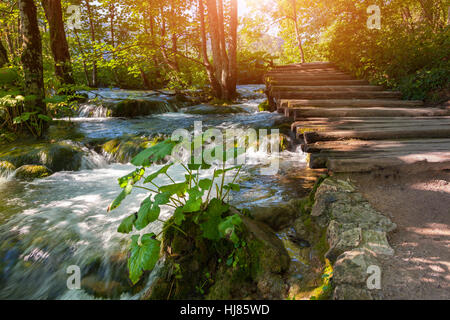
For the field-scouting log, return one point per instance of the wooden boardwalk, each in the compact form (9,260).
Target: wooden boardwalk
(348,125)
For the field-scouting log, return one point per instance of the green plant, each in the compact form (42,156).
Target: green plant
(191,197)
(14,116)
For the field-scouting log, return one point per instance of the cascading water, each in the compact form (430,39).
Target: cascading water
(50,224)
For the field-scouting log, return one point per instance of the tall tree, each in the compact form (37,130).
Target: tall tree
(32,61)
(233,48)
(3,55)
(297,30)
(94,81)
(221,60)
(58,41)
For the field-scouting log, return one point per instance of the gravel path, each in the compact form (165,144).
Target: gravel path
(420,206)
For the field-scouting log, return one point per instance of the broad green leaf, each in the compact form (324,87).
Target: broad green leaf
(213,216)
(154,175)
(153,154)
(205,184)
(134,177)
(148,212)
(162,198)
(228,226)
(127,224)
(232,186)
(125,192)
(176,188)
(192,205)
(178,216)
(143,256)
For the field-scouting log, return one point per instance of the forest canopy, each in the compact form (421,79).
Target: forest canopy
(51,48)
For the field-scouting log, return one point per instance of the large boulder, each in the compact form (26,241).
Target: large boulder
(31,172)
(276,216)
(57,156)
(202,271)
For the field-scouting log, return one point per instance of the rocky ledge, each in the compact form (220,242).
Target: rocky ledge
(356,234)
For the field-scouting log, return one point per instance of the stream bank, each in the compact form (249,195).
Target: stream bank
(51,223)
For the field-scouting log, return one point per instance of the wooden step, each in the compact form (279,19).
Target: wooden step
(327,88)
(311,78)
(301,113)
(320,95)
(359,103)
(419,161)
(323,147)
(352,123)
(288,82)
(393,132)
(315,65)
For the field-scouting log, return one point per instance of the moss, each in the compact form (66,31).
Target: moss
(6,167)
(31,172)
(324,291)
(264,106)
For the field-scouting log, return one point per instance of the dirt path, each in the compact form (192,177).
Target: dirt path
(420,206)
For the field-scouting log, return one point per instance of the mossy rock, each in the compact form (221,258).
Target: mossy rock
(193,267)
(207,109)
(31,172)
(6,167)
(58,156)
(123,150)
(264,106)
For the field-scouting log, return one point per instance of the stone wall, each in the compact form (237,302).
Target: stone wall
(356,235)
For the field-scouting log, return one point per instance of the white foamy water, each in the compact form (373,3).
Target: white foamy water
(52,223)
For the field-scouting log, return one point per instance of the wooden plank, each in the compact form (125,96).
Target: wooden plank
(317,83)
(312,78)
(360,103)
(377,145)
(301,113)
(379,134)
(428,161)
(320,95)
(327,88)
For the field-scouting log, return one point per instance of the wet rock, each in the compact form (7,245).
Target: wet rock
(31,172)
(57,156)
(6,168)
(257,272)
(62,156)
(123,150)
(141,107)
(276,216)
(207,109)
(351,267)
(348,292)
(104,289)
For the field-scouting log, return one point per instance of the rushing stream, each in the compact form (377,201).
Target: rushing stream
(49,224)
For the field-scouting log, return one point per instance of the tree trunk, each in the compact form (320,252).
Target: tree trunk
(215,41)
(223,53)
(232,78)
(215,85)
(58,41)
(92,32)
(32,60)
(297,32)
(3,55)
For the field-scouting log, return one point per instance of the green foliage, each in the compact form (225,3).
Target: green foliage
(409,53)
(191,197)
